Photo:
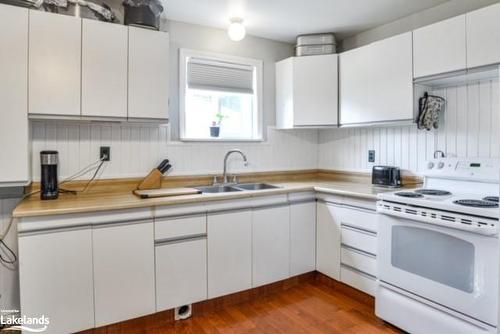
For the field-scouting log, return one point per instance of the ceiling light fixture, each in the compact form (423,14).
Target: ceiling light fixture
(236,30)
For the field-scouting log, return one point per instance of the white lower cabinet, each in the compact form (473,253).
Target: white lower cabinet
(359,248)
(124,271)
(302,238)
(271,244)
(229,252)
(358,280)
(181,273)
(55,270)
(328,240)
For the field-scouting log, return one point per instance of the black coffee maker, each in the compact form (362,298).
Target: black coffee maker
(49,183)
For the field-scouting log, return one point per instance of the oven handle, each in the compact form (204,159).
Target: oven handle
(485,230)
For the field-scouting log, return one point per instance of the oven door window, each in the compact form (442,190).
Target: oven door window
(434,255)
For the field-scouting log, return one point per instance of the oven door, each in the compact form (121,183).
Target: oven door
(454,268)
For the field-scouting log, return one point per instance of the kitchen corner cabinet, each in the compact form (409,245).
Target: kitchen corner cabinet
(54,63)
(271,244)
(14,96)
(376,82)
(328,240)
(307,91)
(302,238)
(55,275)
(148,74)
(482,42)
(229,265)
(440,47)
(124,271)
(104,69)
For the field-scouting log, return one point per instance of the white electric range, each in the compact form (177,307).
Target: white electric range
(438,250)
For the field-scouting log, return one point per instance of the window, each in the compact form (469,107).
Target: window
(220,97)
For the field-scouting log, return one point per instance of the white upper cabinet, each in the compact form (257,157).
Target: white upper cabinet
(483,47)
(54,64)
(14,96)
(440,47)
(148,74)
(376,82)
(104,69)
(307,91)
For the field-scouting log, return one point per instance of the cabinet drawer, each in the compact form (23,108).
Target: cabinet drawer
(358,280)
(359,261)
(363,219)
(361,240)
(181,227)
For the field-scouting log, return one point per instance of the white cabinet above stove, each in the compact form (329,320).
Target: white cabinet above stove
(376,83)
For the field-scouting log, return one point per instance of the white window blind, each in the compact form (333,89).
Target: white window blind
(220,76)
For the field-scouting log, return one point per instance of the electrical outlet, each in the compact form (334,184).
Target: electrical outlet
(105,153)
(371,156)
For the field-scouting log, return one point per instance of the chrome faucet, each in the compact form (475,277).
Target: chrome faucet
(224,174)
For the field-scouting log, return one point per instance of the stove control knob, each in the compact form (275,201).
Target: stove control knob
(430,165)
(440,165)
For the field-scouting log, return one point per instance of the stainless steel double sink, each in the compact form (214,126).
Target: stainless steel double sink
(235,187)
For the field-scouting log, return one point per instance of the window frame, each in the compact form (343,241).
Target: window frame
(184,55)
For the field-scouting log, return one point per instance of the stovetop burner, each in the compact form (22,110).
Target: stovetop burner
(476,203)
(433,192)
(491,199)
(408,194)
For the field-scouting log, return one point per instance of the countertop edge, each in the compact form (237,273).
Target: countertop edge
(192,199)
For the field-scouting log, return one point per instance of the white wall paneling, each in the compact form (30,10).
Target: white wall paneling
(136,149)
(469,127)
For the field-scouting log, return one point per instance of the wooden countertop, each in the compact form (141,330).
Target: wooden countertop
(124,199)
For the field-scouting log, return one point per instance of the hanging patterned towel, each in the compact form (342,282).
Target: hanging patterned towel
(430,107)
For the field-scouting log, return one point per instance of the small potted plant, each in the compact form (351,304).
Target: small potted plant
(215,128)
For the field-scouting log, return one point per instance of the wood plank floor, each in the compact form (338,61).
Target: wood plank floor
(307,308)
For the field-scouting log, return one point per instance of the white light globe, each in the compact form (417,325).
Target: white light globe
(236,30)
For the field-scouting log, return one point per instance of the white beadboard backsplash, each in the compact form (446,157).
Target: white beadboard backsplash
(469,127)
(136,149)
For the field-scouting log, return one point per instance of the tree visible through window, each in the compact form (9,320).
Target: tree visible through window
(220,97)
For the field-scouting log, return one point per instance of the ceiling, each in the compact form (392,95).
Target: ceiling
(283,20)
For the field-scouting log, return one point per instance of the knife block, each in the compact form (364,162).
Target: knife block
(151,181)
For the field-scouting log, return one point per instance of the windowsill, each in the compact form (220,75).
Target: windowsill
(222,140)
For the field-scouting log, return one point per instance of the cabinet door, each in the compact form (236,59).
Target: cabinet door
(181,273)
(482,44)
(271,244)
(302,238)
(229,252)
(284,94)
(54,63)
(315,90)
(13,95)
(124,278)
(56,279)
(376,82)
(439,47)
(104,69)
(328,241)
(148,74)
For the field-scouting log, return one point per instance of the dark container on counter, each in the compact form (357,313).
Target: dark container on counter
(49,188)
